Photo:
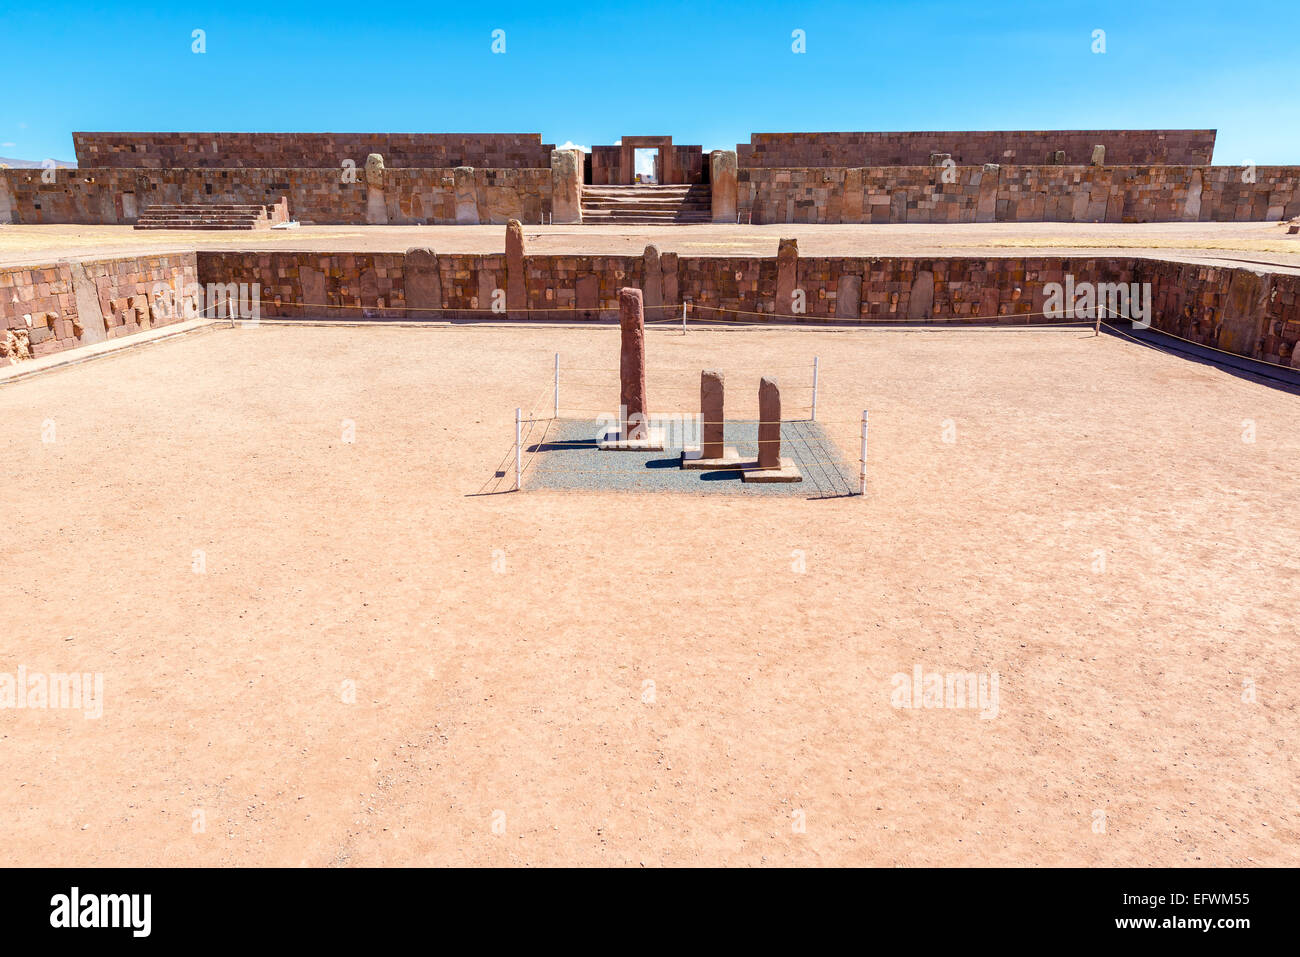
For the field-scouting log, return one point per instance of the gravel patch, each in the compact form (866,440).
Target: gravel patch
(569,459)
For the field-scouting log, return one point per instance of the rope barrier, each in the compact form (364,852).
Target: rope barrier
(689,306)
(1193,342)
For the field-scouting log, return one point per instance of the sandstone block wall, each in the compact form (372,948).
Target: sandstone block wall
(52,307)
(1114,194)
(969,148)
(57,306)
(1247,311)
(118,196)
(322,150)
(1243,310)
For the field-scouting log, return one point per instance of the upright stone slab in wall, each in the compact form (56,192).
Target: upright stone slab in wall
(1244,312)
(668,269)
(986,206)
(376,206)
(423,284)
(313,285)
(854,194)
(1192,208)
(466,196)
(566,186)
(722,180)
(6,200)
(848,297)
(1099,155)
(787,276)
(920,304)
(516,270)
(89,315)
(654,283)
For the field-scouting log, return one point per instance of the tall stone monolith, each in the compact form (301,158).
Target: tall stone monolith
(631,364)
(566,186)
(769,424)
(423,283)
(711,414)
(466,195)
(516,277)
(376,205)
(653,290)
(723,185)
(787,276)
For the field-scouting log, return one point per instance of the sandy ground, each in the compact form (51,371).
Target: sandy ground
(1253,242)
(611,678)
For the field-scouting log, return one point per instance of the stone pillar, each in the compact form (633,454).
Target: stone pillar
(653,287)
(711,415)
(986,204)
(516,270)
(566,186)
(769,424)
(848,297)
(1058,158)
(6,200)
(1099,155)
(423,284)
(1192,208)
(920,304)
(466,196)
(631,365)
(376,207)
(854,195)
(722,183)
(668,269)
(787,276)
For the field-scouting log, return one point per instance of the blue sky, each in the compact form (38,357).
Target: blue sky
(706,73)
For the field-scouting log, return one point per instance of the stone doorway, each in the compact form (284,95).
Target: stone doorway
(645,166)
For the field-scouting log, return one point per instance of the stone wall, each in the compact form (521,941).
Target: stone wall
(315,195)
(311,150)
(1094,194)
(1246,311)
(1023,147)
(1243,310)
(57,306)
(52,307)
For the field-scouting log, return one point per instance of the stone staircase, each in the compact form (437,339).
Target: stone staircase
(206,216)
(646,205)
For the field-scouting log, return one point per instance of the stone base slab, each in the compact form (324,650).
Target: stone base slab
(614,442)
(731,460)
(788,472)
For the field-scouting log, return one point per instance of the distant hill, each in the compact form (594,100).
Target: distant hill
(33,164)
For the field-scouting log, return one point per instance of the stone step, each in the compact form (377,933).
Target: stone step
(204,216)
(594,217)
(193,226)
(253,210)
(642,204)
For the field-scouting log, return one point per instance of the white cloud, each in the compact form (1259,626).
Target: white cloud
(7,145)
(570,145)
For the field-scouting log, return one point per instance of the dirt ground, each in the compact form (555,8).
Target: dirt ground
(1232,242)
(610,678)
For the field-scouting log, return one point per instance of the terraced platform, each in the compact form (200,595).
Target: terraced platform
(206,216)
(646,205)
